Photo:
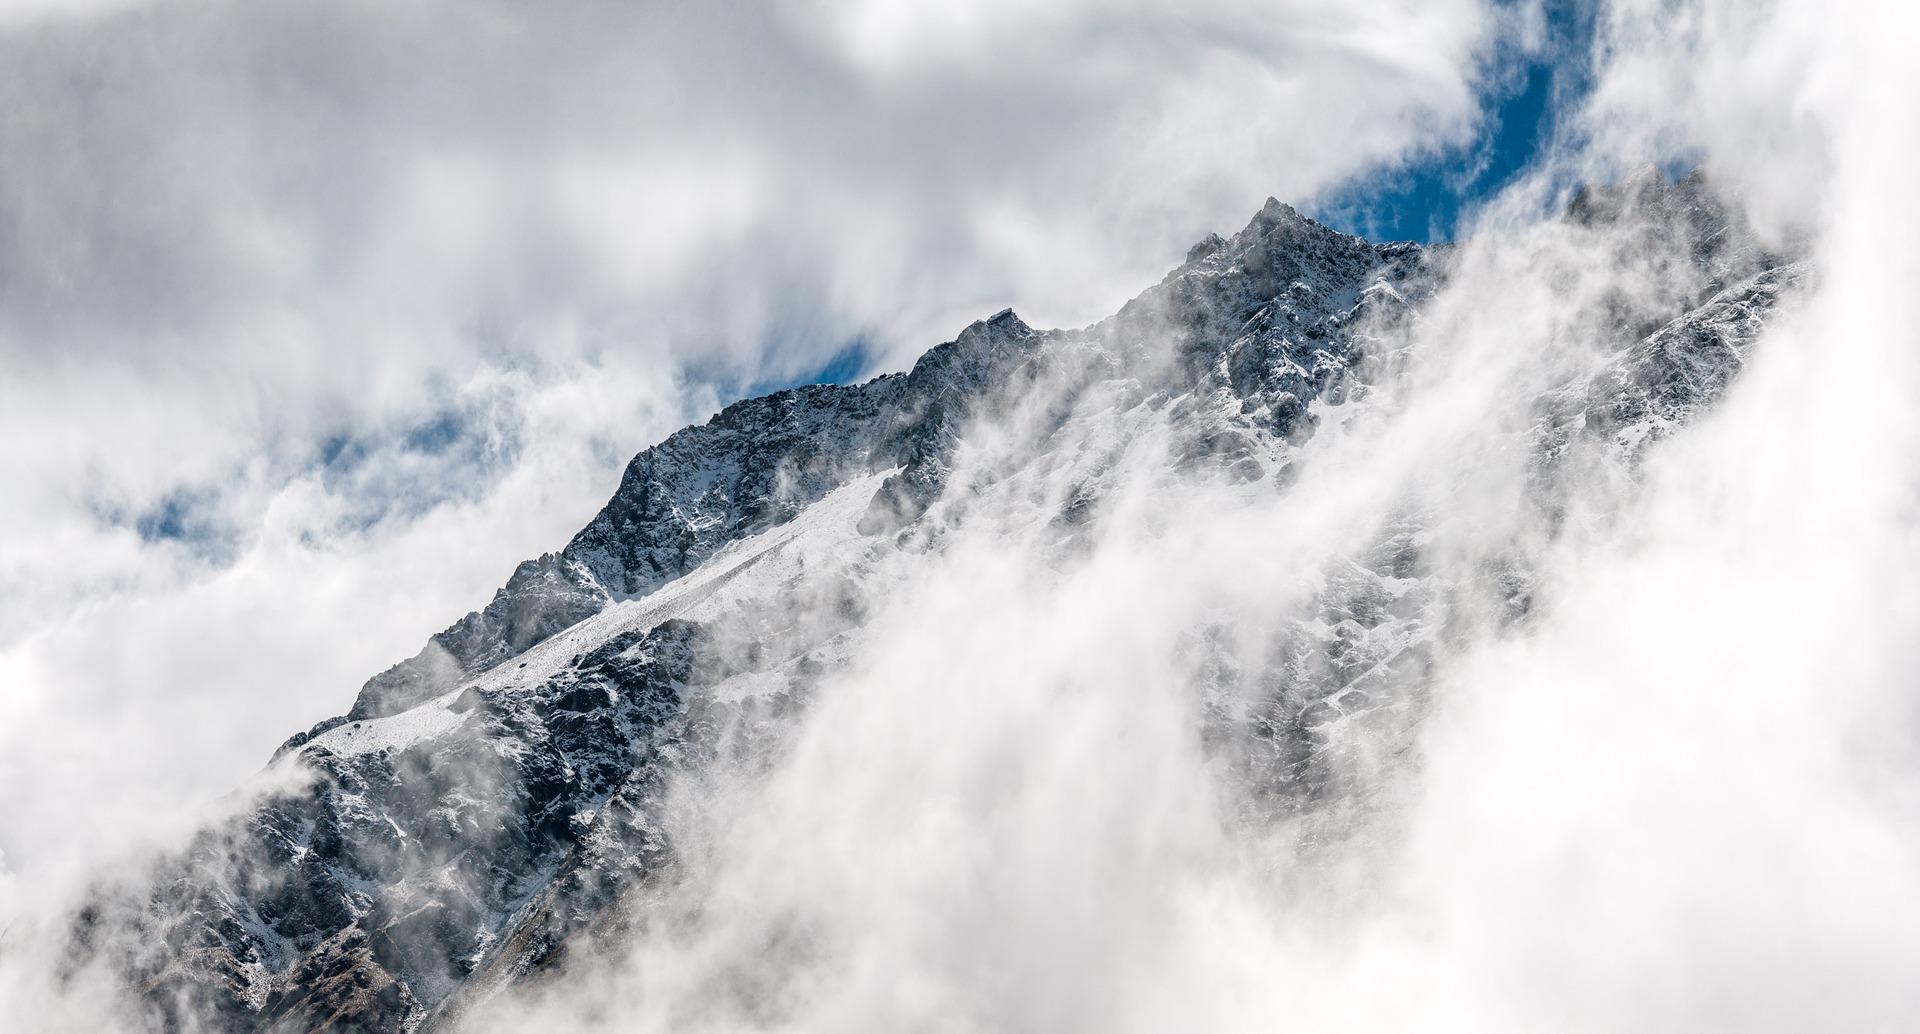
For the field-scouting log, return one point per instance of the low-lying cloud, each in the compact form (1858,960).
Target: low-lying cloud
(433,259)
(357,305)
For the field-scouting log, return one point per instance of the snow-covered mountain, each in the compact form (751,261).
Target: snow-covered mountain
(509,797)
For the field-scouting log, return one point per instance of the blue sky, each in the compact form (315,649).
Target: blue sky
(1426,199)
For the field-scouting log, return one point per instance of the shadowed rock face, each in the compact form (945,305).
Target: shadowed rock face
(487,803)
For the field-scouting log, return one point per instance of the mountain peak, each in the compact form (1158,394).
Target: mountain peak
(1277,214)
(1001,325)
(1205,246)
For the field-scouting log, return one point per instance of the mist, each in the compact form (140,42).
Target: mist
(1624,738)
(1677,794)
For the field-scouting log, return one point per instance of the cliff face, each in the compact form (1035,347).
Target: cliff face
(502,798)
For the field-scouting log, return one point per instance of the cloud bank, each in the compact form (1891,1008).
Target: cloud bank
(1679,797)
(315,319)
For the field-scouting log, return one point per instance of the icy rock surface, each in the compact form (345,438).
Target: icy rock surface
(486,805)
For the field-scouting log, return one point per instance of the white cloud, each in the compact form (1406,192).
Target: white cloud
(1682,797)
(236,237)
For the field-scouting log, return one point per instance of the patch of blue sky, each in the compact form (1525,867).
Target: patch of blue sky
(399,472)
(188,517)
(1428,197)
(848,365)
(454,453)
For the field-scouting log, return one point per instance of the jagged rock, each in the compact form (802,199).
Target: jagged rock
(492,800)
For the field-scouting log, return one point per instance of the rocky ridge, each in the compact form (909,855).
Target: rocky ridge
(486,807)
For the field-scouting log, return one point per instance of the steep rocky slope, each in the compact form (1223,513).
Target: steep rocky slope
(504,797)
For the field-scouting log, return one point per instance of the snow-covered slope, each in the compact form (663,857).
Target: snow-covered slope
(486,804)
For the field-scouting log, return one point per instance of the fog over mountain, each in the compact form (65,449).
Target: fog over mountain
(1255,625)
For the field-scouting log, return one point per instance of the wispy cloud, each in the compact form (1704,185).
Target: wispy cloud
(410,269)
(315,319)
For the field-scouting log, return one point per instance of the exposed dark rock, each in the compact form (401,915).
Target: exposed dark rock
(486,805)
